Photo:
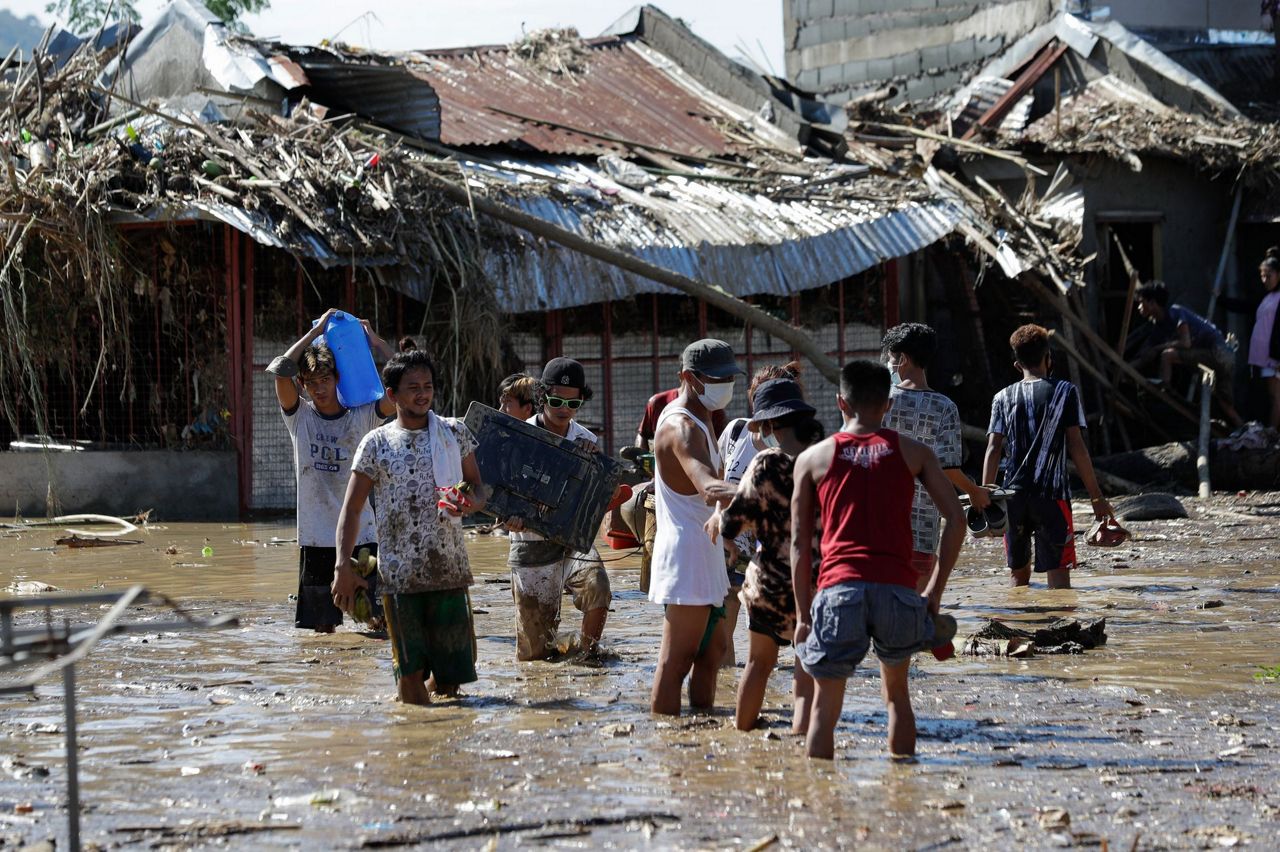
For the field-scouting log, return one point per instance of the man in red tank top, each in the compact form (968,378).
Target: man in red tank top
(862,482)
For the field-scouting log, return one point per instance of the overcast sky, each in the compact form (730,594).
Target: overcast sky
(734,26)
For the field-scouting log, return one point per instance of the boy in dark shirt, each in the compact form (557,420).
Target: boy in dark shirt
(1180,336)
(1039,419)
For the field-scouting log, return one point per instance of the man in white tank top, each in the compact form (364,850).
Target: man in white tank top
(688,575)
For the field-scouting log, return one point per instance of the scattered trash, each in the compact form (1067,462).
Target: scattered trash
(77,541)
(188,771)
(763,843)
(1226,720)
(316,798)
(1065,636)
(1221,836)
(976,646)
(30,587)
(1050,818)
(618,730)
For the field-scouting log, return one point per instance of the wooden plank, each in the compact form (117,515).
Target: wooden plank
(1049,55)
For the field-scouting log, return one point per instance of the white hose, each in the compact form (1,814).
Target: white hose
(125,526)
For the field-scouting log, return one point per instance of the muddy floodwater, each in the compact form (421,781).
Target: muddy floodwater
(264,736)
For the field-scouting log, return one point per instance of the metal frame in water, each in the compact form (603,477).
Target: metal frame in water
(62,645)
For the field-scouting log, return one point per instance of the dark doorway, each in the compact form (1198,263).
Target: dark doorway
(1134,238)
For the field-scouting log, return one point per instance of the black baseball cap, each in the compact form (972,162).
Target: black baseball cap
(564,372)
(712,358)
(777,398)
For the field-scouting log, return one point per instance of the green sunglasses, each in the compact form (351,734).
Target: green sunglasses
(557,401)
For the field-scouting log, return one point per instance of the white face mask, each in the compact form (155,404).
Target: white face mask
(894,378)
(716,396)
(770,441)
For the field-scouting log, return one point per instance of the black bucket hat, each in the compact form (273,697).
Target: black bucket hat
(777,398)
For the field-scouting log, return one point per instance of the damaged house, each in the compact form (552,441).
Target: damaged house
(179,224)
(1094,158)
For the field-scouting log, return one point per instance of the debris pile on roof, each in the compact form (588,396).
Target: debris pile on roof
(313,188)
(1102,120)
(557,51)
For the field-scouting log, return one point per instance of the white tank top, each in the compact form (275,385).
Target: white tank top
(687,567)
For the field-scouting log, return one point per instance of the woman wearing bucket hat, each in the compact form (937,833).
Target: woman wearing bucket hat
(786,425)
(738,446)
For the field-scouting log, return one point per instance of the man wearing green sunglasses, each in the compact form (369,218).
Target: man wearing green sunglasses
(541,570)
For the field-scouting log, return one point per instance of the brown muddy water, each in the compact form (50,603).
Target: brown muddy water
(264,736)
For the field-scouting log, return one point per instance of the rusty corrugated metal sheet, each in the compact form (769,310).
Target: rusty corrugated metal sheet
(619,92)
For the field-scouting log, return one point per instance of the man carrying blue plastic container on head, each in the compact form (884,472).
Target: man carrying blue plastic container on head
(325,435)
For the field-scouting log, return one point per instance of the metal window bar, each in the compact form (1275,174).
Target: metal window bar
(63,645)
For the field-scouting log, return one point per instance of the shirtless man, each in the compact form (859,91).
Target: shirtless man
(688,575)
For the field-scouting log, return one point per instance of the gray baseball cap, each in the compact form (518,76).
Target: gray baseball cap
(712,358)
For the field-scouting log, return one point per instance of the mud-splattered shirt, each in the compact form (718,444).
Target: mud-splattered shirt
(418,551)
(763,505)
(323,448)
(933,420)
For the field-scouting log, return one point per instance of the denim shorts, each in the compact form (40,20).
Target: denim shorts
(850,618)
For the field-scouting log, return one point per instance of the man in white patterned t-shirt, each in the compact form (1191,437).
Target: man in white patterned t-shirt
(324,435)
(421,471)
(931,418)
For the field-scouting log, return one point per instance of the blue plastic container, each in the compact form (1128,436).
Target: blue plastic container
(358,379)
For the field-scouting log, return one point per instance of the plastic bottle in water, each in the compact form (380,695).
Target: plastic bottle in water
(358,379)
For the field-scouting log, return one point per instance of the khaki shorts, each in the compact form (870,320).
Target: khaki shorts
(538,591)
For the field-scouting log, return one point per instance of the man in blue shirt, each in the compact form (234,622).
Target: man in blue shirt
(1181,336)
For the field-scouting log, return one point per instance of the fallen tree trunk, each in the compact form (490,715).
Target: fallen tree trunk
(1174,465)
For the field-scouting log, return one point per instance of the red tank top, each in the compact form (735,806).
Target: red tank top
(865,501)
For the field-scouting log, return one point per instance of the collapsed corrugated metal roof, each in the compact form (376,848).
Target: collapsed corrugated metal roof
(188,57)
(739,239)
(383,90)
(1114,50)
(781,229)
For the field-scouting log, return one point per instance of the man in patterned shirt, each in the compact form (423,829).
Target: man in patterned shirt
(423,570)
(1039,421)
(931,418)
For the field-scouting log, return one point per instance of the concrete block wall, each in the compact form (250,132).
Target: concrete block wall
(843,47)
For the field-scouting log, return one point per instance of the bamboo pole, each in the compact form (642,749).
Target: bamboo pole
(1226,253)
(715,296)
(1121,403)
(1202,457)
